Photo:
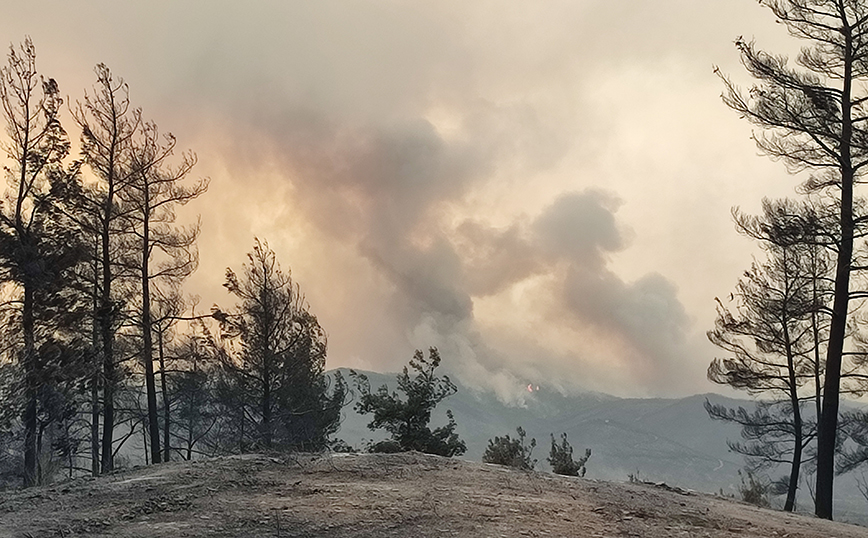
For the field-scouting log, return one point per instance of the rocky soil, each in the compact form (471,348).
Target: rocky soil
(367,495)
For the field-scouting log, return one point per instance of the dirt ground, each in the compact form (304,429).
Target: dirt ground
(367,495)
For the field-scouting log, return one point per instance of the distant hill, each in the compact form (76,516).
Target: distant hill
(656,439)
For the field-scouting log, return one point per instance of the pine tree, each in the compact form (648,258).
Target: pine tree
(771,337)
(39,249)
(407,418)
(816,117)
(274,366)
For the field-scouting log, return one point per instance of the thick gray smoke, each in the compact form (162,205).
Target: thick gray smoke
(518,183)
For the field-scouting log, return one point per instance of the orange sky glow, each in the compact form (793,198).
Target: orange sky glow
(542,190)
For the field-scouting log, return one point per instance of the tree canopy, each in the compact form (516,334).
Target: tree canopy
(407,418)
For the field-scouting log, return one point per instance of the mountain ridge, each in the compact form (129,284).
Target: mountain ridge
(670,440)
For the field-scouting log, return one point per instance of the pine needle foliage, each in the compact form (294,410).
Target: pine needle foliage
(407,418)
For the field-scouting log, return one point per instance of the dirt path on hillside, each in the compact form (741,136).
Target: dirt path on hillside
(377,496)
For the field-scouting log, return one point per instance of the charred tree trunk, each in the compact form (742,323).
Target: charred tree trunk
(167,411)
(94,425)
(828,421)
(148,345)
(840,309)
(106,318)
(95,379)
(31,391)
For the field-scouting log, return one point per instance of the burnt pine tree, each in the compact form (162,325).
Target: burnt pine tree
(108,128)
(157,251)
(815,116)
(167,309)
(168,306)
(406,419)
(274,367)
(72,193)
(770,338)
(38,247)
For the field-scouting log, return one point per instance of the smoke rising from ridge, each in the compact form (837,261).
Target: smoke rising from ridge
(520,184)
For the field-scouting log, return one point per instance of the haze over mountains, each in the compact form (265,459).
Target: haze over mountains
(656,439)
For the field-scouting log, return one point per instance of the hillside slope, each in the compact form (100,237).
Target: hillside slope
(658,439)
(376,496)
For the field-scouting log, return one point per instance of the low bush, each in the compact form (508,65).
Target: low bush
(754,490)
(561,458)
(511,452)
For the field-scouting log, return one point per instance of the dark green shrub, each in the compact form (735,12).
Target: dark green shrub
(511,452)
(561,458)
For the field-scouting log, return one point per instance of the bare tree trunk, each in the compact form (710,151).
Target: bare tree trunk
(31,387)
(40,478)
(828,421)
(94,425)
(190,431)
(145,440)
(167,414)
(793,485)
(241,433)
(832,385)
(106,315)
(147,341)
(815,329)
(266,409)
(95,381)
(796,465)
(106,129)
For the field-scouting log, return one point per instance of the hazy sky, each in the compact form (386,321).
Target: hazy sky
(542,189)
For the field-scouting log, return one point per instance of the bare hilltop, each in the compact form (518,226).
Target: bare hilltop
(379,495)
